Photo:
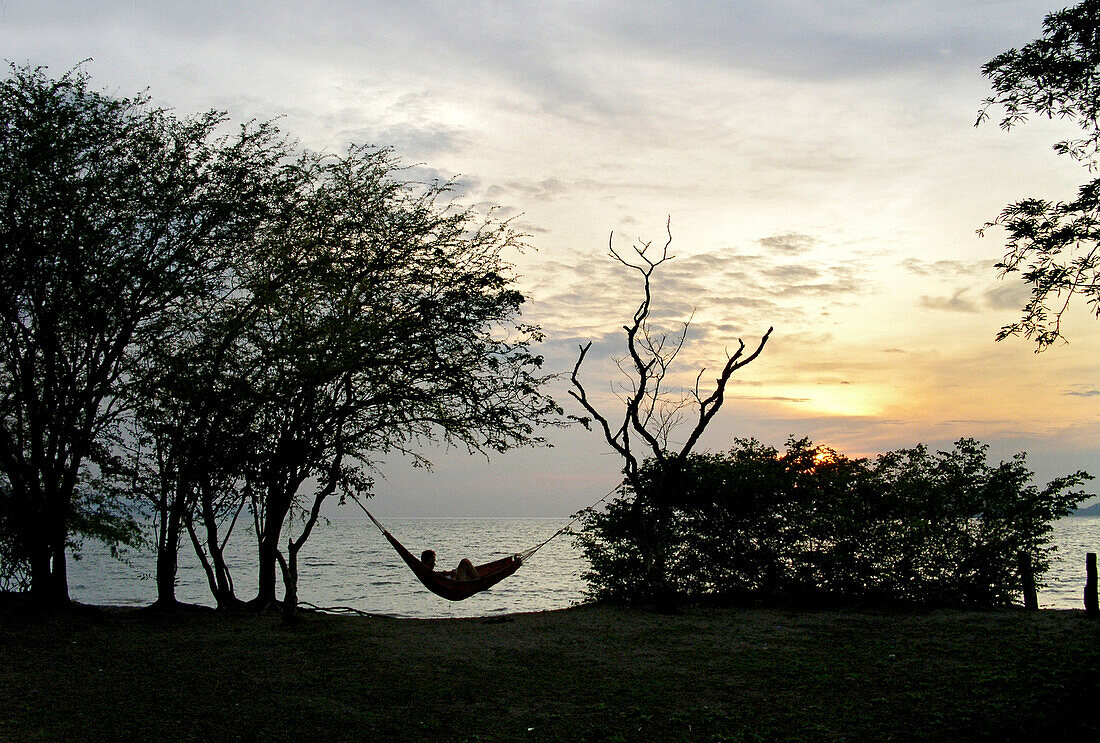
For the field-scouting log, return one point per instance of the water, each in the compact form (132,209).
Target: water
(1065,580)
(347,562)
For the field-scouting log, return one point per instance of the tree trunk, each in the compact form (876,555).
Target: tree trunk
(40,572)
(289,567)
(49,578)
(1092,608)
(223,590)
(277,507)
(770,583)
(659,576)
(46,538)
(60,576)
(221,580)
(268,557)
(213,564)
(168,559)
(1027,579)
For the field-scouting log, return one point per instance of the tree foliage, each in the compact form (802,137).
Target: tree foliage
(113,213)
(232,329)
(911,525)
(14,560)
(385,318)
(1053,245)
(367,315)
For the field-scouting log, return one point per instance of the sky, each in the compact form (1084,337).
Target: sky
(817,163)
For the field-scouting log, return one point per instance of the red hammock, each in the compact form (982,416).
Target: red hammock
(488,574)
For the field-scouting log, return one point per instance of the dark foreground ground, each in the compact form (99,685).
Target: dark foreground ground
(594,673)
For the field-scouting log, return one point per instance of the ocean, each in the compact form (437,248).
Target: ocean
(348,563)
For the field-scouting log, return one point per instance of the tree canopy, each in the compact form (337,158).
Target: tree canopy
(385,318)
(226,324)
(114,212)
(1054,246)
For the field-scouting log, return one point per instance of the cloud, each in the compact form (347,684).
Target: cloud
(417,141)
(770,398)
(530,228)
(811,40)
(792,272)
(796,136)
(1012,296)
(945,267)
(955,303)
(546,189)
(460,186)
(791,243)
(759,277)
(727,294)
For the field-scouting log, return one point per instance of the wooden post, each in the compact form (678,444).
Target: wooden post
(1091,608)
(1027,579)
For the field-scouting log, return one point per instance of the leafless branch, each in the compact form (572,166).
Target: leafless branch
(620,440)
(651,413)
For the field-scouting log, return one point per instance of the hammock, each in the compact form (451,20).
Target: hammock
(489,574)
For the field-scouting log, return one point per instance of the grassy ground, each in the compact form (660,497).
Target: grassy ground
(594,673)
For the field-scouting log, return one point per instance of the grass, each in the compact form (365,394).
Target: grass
(594,673)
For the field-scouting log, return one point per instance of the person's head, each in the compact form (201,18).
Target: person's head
(428,558)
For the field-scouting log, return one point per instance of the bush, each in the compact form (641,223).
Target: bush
(943,528)
(14,560)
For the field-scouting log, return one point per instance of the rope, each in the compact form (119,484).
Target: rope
(380,527)
(564,529)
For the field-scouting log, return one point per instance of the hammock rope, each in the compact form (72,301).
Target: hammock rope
(565,529)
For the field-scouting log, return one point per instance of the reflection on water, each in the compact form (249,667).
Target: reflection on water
(347,562)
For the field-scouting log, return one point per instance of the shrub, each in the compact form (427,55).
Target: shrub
(942,528)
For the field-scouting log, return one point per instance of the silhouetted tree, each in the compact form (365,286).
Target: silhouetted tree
(651,416)
(366,315)
(193,411)
(1053,245)
(385,317)
(113,213)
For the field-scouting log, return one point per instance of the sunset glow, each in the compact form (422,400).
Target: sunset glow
(852,401)
(819,165)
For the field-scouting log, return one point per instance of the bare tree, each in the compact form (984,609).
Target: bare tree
(654,411)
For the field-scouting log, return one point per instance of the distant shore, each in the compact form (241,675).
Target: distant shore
(598,673)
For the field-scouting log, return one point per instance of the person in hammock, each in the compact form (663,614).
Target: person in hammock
(464,571)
